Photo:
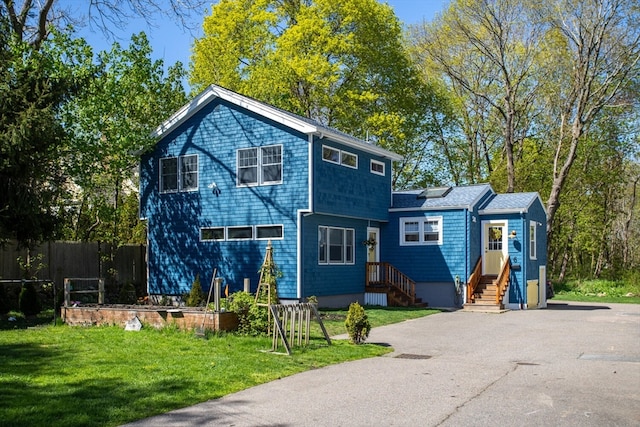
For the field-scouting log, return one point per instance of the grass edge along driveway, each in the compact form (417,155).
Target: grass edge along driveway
(105,376)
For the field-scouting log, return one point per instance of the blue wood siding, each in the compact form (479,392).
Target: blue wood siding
(536,213)
(176,253)
(429,263)
(341,190)
(518,253)
(322,279)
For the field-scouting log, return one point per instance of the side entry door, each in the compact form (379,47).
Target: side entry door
(494,238)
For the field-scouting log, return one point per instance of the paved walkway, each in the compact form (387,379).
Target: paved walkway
(573,364)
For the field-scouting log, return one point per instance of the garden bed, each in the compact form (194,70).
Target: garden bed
(185,318)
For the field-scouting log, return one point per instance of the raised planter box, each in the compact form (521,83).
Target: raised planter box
(185,318)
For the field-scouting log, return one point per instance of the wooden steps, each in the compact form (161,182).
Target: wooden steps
(484,297)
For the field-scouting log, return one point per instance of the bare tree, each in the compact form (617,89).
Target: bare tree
(602,41)
(487,50)
(33,20)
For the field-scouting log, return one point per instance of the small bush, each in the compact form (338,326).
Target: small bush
(252,318)
(29,301)
(357,323)
(195,296)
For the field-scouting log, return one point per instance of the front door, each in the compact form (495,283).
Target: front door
(495,246)
(373,253)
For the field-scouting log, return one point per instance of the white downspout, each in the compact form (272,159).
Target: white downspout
(301,213)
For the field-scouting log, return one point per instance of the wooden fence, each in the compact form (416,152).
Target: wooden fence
(57,260)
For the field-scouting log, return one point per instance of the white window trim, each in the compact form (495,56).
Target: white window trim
(336,162)
(533,239)
(224,234)
(259,179)
(265,226)
(179,173)
(350,154)
(344,247)
(421,220)
(375,162)
(253,234)
(340,153)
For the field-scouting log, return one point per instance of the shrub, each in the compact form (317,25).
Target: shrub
(29,301)
(195,296)
(357,323)
(252,318)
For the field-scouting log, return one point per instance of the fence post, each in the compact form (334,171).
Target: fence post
(101,291)
(67,292)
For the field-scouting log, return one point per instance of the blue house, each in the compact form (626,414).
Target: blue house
(451,235)
(230,174)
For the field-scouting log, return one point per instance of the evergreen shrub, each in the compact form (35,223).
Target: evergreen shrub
(357,323)
(196,295)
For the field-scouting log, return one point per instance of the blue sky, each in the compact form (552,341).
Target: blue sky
(172,43)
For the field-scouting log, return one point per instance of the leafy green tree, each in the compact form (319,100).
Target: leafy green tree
(35,84)
(341,63)
(112,124)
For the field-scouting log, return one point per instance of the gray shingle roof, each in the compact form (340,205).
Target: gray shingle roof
(510,202)
(463,197)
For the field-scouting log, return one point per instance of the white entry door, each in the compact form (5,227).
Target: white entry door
(494,239)
(373,253)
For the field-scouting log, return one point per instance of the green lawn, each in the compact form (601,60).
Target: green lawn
(605,291)
(105,376)
(378,316)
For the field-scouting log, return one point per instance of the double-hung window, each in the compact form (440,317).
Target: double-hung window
(421,231)
(336,245)
(179,173)
(259,165)
(532,240)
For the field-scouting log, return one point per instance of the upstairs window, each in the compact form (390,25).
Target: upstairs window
(259,165)
(421,231)
(339,157)
(179,174)
(377,167)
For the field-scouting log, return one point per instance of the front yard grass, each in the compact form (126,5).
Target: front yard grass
(105,376)
(333,320)
(604,291)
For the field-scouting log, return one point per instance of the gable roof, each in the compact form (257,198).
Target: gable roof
(285,118)
(510,203)
(463,197)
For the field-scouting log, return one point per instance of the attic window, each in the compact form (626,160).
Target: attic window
(434,193)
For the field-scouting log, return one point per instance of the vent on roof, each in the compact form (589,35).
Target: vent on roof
(434,193)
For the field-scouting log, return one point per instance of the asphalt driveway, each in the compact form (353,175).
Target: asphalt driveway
(572,364)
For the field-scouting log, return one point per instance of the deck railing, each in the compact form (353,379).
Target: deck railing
(385,274)
(474,281)
(503,281)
